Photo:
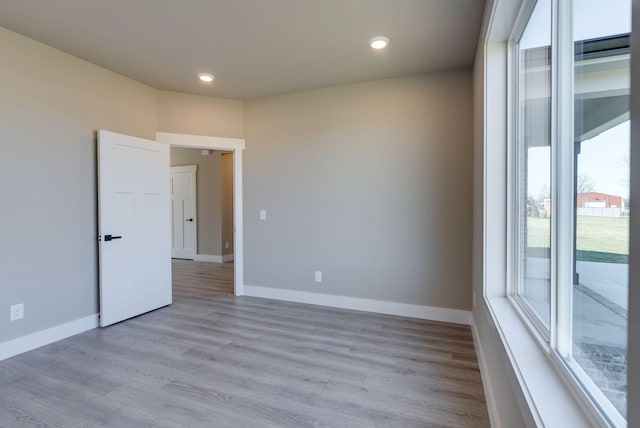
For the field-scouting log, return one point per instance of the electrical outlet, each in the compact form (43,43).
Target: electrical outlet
(318,276)
(16,312)
(226,244)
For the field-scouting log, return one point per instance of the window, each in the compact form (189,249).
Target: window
(571,140)
(534,164)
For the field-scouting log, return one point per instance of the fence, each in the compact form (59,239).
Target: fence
(600,212)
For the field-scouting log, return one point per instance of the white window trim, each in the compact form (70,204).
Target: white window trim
(548,397)
(514,263)
(552,393)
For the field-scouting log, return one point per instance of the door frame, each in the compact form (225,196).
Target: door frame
(235,145)
(192,169)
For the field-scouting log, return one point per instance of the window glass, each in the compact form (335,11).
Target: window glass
(601,184)
(534,163)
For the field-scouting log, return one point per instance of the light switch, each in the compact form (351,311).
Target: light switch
(16,312)
(263,214)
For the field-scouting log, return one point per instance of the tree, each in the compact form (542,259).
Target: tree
(533,209)
(585,184)
(625,163)
(545,193)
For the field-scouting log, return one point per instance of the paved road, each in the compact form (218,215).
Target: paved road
(610,280)
(595,319)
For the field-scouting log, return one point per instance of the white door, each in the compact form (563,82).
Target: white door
(183,212)
(134,200)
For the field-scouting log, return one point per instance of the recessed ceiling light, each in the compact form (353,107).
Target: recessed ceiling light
(379,42)
(206,77)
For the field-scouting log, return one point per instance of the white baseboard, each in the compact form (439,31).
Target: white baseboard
(486,379)
(368,305)
(207,258)
(227,258)
(44,337)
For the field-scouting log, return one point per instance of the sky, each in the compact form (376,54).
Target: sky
(603,158)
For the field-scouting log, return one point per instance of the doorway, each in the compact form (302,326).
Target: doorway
(229,153)
(202,204)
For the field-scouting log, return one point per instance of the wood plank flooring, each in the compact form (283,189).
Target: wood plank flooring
(215,360)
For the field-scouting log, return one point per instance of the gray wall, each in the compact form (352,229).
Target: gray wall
(51,105)
(226,177)
(369,183)
(208,196)
(199,115)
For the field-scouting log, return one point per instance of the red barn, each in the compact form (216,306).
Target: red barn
(599,200)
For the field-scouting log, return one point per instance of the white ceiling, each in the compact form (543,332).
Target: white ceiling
(255,48)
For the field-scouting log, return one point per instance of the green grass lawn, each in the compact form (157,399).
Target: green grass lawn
(600,239)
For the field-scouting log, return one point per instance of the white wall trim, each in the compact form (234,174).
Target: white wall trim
(213,259)
(207,258)
(201,141)
(44,337)
(185,168)
(486,378)
(368,305)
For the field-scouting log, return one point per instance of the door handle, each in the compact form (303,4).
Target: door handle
(108,238)
(189,219)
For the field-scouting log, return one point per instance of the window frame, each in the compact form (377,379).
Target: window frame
(556,341)
(514,191)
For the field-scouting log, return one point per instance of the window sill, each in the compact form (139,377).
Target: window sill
(550,400)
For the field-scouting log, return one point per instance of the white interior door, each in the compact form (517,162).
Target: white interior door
(183,212)
(134,219)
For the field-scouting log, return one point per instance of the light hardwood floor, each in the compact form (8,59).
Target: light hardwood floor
(215,360)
